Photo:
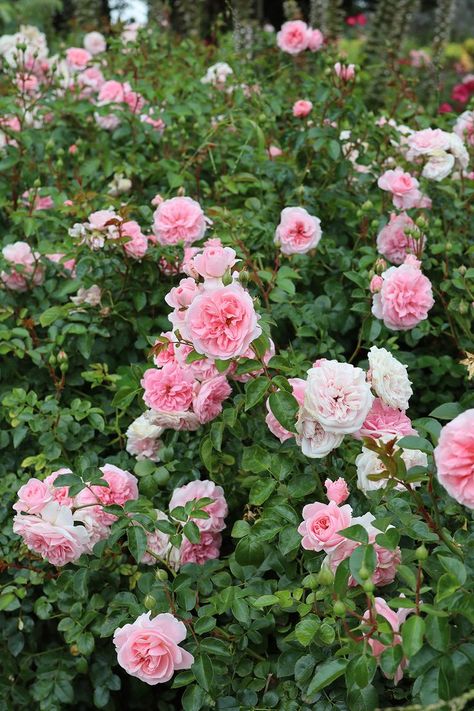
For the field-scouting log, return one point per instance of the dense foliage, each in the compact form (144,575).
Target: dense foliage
(272,619)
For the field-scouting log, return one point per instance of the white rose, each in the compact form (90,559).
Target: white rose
(389,378)
(143,438)
(368,463)
(314,441)
(95,42)
(439,166)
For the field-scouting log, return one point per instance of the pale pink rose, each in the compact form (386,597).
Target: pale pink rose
(298,231)
(137,245)
(187,265)
(130,31)
(91,78)
(345,72)
(454,457)
(405,298)
(182,296)
(178,420)
(298,386)
(384,420)
(302,108)
(376,284)
(134,101)
(315,39)
(155,122)
(179,219)
(313,439)
(95,42)
(148,648)
(102,219)
(59,493)
(31,273)
(293,37)
(205,489)
(90,296)
(402,186)
(27,83)
(122,487)
(33,497)
(395,620)
(337,490)
(143,438)
(464,127)
(393,242)
(202,369)
(222,322)
(167,352)
(109,122)
(321,525)
(58,258)
(112,92)
(96,523)
(78,58)
(52,534)
(386,565)
(426,141)
(338,396)
(274,152)
(209,396)
(208,548)
(213,262)
(169,389)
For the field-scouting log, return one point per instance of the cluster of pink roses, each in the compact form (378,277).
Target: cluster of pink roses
(60,528)
(208,547)
(295,36)
(320,531)
(106,227)
(439,151)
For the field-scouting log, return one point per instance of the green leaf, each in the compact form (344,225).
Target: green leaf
(447,586)
(305,631)
(413,442)
(265,601)
(355,533)
(438,632)
(261,491)
(191,531)
(325,674)
(202,670)
(249,551)
(137,542)
(389,540)
(255,391)
(448,411)
(412,635)
(285,408)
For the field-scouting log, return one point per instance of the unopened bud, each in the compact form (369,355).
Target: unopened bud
(339,608)
(161,574)
(325,576)
(149,602)
(421,553)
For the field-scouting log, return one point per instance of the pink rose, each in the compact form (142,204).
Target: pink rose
(169,389)
(403,186)
(92,78)
(315,40)
(137,244)
(274,152)
(221,323)
(376,284)
(405,298)
(345,72)
(52,534)
(337,491)
(33,497)
(95,42)
(59,493)
(209,396)
(157,123)
(30,273)
(298,231)
(302,108)
(464,127)
(454,457)
(293,37)
(182,296)
(96,522)
(122,487)
(338,396)
(321,525)
(134,101)
(395,620)
(148,649)
(298,386)
(213,262)
(208,548)
(202,369)
(179,219)
(112,92)
(393,242)
(384,420)
(77,57)
(27,83)
(386,563)
(426,141)
(205,489)
(102,219)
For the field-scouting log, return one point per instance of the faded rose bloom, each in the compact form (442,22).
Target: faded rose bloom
(90,296)
(143,438)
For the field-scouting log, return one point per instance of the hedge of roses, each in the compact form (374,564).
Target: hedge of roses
(236,334)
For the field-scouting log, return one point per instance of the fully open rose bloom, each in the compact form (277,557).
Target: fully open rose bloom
(389,378)
(33,497)
(78,58)
(302,108)
(321,525)
(149,648)
(217,510)
(464,127)
(95,42)
(30,272)
(137,243)
(313,439)
(179,219)
(208,548)
(405,298)
(143,438)
(403,186)
(52,534)
(293,37)
(394,243)
(298,231)
(454,457)
(169,389)
(221,322)
(315,40)
(337,396)
(122,487)
(209,396)
(382,420)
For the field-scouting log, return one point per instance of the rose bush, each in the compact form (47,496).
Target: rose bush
(236,337)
